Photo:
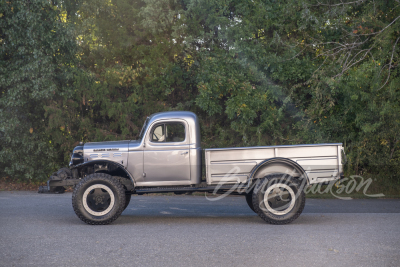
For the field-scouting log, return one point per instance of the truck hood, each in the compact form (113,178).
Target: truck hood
(111,146)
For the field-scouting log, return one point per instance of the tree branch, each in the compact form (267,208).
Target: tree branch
(390,64)
(341,4)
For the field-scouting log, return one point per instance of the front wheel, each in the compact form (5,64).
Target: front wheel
(99,199)
(127,200)
(278,199)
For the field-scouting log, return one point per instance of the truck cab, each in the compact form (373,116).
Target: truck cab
(169,151)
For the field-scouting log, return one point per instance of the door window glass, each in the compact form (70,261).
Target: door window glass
(158,133)
(175,132)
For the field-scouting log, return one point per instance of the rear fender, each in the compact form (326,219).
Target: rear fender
(277,166)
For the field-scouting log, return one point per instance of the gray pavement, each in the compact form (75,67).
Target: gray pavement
(43,230)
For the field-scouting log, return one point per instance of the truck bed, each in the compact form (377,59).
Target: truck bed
(321,162)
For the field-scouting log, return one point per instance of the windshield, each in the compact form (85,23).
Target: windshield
(143,128)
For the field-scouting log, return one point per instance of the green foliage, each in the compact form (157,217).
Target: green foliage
(37,48)
(256,72)
(127,71)
(333,67)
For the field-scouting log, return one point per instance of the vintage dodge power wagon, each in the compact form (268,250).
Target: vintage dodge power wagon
(167,157)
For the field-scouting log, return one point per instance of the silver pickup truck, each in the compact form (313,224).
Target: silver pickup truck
(167,157)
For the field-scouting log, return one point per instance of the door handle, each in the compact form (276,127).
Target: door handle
(184,153)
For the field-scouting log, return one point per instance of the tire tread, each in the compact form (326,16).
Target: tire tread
(107,178)
(270,219)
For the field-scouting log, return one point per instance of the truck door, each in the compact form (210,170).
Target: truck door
(166,153)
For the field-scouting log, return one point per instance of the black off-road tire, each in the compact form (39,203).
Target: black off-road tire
(290,213)
(127,200)
(127,195)
(249,200)
(107,184)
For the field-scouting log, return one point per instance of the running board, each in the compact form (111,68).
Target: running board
(211,189)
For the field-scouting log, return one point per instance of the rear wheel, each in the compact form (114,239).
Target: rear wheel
(249,200)
(99,199)
(278,199)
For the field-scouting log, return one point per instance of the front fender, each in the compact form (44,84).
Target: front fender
(107,167)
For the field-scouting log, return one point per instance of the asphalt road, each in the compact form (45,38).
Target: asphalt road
(43,230)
